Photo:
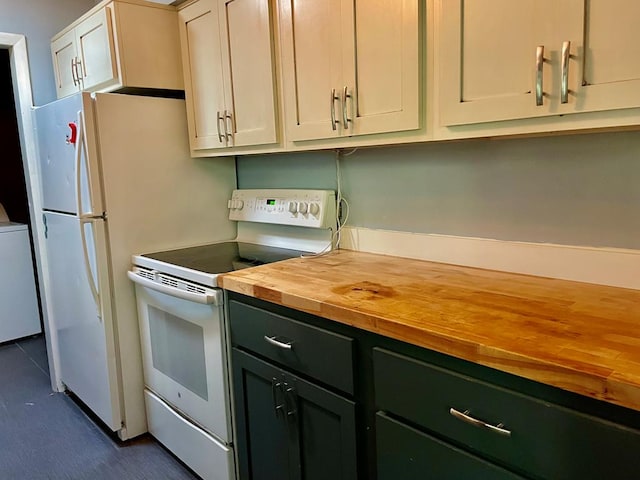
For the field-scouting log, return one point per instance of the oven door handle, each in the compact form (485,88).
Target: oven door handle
(209,298)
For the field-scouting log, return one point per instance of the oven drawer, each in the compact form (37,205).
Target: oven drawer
(322,355)
(204,454)
(545,440)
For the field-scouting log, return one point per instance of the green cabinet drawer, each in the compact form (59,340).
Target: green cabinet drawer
(535,438)
(322,355)
(408,454)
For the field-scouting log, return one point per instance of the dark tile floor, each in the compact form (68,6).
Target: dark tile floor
(45,435)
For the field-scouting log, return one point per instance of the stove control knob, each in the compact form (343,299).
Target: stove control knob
(302,207)
(293,207)
(314,209)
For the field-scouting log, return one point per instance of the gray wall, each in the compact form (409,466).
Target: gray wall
(573,190)
(39,20)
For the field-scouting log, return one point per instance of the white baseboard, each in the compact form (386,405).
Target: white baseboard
(604,266)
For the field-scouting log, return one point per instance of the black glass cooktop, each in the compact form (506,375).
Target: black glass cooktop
(224,257)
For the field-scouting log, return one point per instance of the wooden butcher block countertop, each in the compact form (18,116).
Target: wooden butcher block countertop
(580,337)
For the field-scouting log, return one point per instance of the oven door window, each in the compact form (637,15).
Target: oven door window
(177,350)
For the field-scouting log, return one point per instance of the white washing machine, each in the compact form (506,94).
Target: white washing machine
(19,315)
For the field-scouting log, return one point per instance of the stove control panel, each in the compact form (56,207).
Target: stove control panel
(302,208)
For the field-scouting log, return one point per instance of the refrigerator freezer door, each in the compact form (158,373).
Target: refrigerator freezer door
(83,320)
(59,142)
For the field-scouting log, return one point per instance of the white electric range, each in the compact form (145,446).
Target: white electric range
(182,322)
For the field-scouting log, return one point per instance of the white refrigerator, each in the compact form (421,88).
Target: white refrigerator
(117,179)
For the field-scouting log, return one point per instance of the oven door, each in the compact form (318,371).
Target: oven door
(184,350)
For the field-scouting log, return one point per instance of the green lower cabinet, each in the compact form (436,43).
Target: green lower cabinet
(264,442)
(538,439)
(404,453)
(288,428)
(421,415)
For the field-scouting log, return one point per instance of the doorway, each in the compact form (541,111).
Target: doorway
(23,178)
(13,190)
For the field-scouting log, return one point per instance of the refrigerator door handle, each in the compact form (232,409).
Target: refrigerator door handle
(87,265)
(81,146)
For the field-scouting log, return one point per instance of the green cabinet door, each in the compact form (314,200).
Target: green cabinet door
(408,454)
(262,435)
(288,428)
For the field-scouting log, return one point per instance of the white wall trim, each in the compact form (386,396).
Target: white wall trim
(17,46)
(604,266)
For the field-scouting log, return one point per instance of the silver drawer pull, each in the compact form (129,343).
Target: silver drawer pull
(277,343)
(465,417)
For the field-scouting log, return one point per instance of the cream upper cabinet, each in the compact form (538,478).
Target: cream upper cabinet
(504,60)
(65,55)
(500,59)
(96,63)
(609,73)
(119,44)
(350,67)
(84,57)
(228,68)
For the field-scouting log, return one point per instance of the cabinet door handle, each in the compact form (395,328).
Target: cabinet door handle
(564,88)
(275,387)
(345,116)
(334,122)
(219,119)
(79,70)
(290,401)
(465,417)
(278,343)
(539,71)
(74,72)
(228,119)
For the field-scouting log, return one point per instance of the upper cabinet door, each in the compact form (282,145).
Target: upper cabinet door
(487,60)
(311,41)
(382,67)
(228,65)
(202,67)
(489,69)
(63,52)
(350,67)
(610,76)
(248,73)
(96,54)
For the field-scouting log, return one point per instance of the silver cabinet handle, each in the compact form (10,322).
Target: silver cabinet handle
(219,118)
(79,70)
(277,343)
(74,72)
(334,122)
(345,117)
(228,119)
(465,417)
(564,89)
(539,67)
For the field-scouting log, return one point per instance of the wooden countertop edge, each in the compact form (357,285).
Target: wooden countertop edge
(612,386)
